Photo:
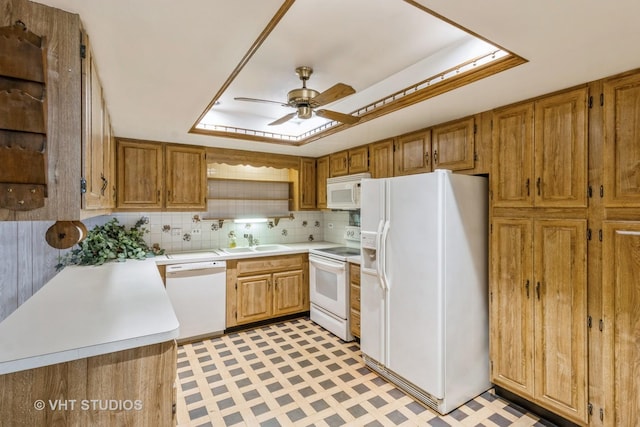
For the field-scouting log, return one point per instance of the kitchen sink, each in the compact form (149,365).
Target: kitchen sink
(267,248)
(259,248)
(237,250)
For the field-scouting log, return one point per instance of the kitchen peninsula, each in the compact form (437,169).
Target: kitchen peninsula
(95,346)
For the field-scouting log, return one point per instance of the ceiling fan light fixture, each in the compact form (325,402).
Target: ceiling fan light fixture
(304,112)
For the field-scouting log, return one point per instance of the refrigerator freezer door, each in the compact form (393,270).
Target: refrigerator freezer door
(413,266)
(372,293)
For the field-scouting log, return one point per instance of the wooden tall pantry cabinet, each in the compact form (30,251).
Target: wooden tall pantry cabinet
(565,251)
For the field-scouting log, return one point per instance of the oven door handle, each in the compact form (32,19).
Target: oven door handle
(325,264)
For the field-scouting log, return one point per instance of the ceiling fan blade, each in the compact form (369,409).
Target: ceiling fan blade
(339,117)
(283,119)
(242,98)
(335,92)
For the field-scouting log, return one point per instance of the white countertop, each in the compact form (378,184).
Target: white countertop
(88,311)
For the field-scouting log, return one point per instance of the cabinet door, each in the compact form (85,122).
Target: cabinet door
(453,145)
(511,305)
(561,150)
(512,156)
(307,184)
(621,299)
(413,153)
(359,160)
(622,141)
(289,295)
(139,177)
(381,154)
(95,156)
(339,163)
(322,173)
(254,298)
(561,316)
(186,177)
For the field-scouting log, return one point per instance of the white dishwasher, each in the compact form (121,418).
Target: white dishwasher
(197,291)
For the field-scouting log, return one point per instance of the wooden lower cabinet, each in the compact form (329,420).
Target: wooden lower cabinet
(354,292)
(621,322)
(266,287)
(126,388)
(539,312)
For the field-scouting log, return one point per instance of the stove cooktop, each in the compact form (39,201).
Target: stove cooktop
(337,252)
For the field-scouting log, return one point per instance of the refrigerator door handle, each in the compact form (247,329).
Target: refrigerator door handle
(379,250)
(383,256)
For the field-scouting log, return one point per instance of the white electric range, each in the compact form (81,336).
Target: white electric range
(329,284)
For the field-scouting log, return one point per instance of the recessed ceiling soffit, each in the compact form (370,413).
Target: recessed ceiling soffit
(304,79)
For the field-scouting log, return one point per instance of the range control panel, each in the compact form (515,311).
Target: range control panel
(352,233)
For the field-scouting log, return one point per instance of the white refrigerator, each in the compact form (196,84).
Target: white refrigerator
(424,274)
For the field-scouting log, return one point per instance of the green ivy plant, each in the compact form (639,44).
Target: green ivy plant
(111,242)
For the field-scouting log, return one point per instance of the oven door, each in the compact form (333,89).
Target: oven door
(328,284)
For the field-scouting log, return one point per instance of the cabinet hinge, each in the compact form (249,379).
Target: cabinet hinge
(591,101)
(590,192)
(394,148)
(601,325)
(475,129)
(589,322)
(600,235)
(602,99)
(83,51)
(475,156)
(601,191)
(83,185)
(601,414)
(588,234)
(236,286)
(590,408)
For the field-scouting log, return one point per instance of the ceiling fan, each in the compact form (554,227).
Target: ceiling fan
(306,100)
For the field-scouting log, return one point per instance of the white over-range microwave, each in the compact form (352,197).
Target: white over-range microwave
(344,192)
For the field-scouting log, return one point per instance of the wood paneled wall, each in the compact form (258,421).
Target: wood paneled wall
(27,262)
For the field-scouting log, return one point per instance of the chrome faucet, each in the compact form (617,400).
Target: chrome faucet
(249,237)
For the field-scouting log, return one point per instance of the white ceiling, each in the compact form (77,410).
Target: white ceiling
(162,61)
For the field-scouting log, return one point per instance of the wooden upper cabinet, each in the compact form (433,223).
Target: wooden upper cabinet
(339,163)
(359,160)
(561,150)
(322,173)
(349,162)
(621,294)
(512,166)
(153,175)
(140,175)
(186,177)
(622,141)
(307,184)
(540,152)
(381,155)
(98,150)
(453,145)
(413,153)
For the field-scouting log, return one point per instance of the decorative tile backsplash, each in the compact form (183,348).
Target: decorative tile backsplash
(185,231)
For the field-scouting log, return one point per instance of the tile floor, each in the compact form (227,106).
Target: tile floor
(295,373)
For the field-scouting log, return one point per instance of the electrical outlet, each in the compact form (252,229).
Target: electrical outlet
(195,231)
(176,231)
